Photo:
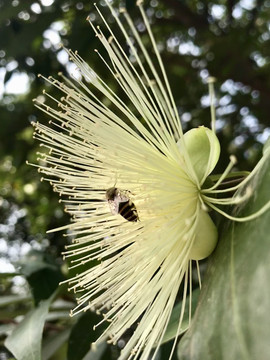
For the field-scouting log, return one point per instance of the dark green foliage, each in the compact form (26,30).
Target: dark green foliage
(42,273)
(25,340)
(83,335)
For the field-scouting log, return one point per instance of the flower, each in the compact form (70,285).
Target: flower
(154,178)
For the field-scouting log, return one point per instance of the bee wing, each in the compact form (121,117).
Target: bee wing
(121,196)
(114,206)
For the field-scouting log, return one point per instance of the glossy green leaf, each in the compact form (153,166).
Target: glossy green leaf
(25,341)
(80,345)
(232,318)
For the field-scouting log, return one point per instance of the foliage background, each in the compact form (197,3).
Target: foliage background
(226,39)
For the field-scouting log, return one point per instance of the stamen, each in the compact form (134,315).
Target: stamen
(181,314)
(253,216)
(211,80)
(229,201)
(233,161)
(199,273)
(190,292)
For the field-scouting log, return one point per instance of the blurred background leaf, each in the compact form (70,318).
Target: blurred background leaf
(80,346)
(25,341)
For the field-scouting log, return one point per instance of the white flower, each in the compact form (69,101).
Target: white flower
(150,166)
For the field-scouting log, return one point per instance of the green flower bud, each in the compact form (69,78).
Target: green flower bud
(203,149)
(206,236)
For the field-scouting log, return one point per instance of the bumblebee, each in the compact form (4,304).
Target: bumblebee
(120,203)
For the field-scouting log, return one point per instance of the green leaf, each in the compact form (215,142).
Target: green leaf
(165,351)
(35,261)
(232,318)
(96,354)
(130,4)
(6,329)
(266,146)
(25,341)
(12,299)
(83,335)
(58,315)
(53,343)
(42,273)
(174,320)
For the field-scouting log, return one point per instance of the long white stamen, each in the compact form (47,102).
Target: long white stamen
(251,217)
(198,273)
(243,183)
(211,81)
(223,176)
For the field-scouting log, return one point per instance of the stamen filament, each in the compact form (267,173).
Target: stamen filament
(251,217)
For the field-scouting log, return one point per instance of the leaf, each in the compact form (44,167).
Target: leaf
(165,351)
(266,146)
(25,341)
(6,329)
(130,4)
(11,299)
(83,335)
(53,343)
(58,315)
(96,354)
(42,273)
(174,320)
(35,261)
(231,320)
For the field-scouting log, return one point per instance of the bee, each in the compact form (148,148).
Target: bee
(120,203)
